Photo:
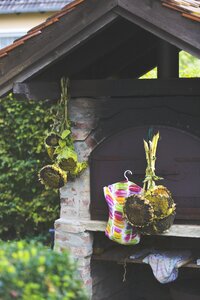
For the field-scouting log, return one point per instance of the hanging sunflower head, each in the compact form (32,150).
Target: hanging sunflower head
(52,176)
(158,226)
(67,159)
(138,211)
(161,200)
(52,139)
(51,143)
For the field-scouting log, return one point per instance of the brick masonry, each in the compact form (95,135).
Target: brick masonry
(92,121)
(75,196)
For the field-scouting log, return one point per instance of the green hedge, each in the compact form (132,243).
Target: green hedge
(29,271)
(26,208)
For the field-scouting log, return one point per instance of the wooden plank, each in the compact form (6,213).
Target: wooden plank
(111,88)
(121,255)
(146,61)
(127,54)
(176,230)
(93,60)
(90,52)
(162,22)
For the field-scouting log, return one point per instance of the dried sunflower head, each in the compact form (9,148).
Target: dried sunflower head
(67,159)
(161,201)
(138,211)
(52,139)
(159,226)
(52,176)
(51,143)
(165,223)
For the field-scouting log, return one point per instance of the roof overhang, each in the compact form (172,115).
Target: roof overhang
(67,31)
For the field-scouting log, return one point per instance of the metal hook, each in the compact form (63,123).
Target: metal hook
(127,172)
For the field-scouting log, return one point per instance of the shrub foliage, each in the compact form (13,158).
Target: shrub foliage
(31,271)
(25,207)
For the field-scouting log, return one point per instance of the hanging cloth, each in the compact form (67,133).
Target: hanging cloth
(165,264)
(117,228)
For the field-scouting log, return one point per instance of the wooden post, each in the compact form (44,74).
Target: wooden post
(168,61)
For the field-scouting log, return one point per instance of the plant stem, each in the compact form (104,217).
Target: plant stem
(150,150)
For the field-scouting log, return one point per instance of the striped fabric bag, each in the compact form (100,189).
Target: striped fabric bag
(118,229)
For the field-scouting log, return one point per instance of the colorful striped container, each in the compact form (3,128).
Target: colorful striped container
(118,229)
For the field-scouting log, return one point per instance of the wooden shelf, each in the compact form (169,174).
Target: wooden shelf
(176,230)
(122,255)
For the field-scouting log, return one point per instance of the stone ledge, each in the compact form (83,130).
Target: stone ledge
(176,230)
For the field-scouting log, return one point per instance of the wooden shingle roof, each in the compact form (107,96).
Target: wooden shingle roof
(188,8)
(38,29)
(26,6)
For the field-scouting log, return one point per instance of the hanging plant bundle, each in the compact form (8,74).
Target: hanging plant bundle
(60,147)
(153,211)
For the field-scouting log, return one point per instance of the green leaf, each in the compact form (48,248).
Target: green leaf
(65,133)
(62,143)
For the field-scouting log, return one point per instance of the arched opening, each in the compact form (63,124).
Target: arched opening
(178,162)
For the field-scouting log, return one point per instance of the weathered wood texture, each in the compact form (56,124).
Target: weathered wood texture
(130,54)
(166,24)
(112,88)
(36,91)
(118,46)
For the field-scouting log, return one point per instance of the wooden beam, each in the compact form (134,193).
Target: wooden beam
(37,91)
(133,88)
(111,88)
(164,23)
(168,60)
(121,255)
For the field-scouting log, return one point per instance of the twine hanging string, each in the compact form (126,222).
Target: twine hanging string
(61,121)
(125,270)
(65,102)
